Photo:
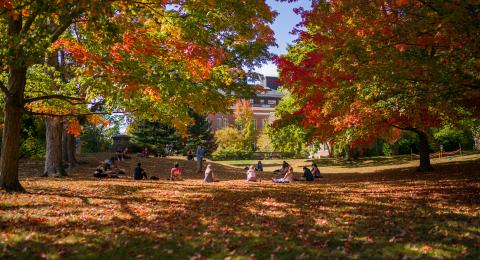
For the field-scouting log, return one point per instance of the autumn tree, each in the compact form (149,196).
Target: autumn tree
(158,59)
(362,69)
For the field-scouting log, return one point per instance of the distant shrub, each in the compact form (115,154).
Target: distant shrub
(387,149)
(231,153)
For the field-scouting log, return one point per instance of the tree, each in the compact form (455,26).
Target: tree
(153,58)
(362,68)
(244,122)
(199,133)
(286,133)
(156,135)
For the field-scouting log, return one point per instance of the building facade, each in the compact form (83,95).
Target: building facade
(263,107)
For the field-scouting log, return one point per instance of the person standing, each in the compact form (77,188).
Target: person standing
(200,154)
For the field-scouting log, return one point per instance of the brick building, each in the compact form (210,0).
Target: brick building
(263,107)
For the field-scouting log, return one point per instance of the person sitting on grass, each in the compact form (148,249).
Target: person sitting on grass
(139,173)
(307,174)
(99,173)
(251,174)
(260,166)
(107,164)
(209,177)
(282,170)
(316,171)
(176,173)
(288,177)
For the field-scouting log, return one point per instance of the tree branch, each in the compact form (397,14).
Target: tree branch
(61,97)
(5,89)
(413,129)
(64,115)
(74,114)
(28,23)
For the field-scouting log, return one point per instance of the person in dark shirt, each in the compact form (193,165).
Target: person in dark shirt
(260,166)
(307,174)
(190,155)
(139,173)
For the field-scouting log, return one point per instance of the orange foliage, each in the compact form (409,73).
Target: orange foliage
(97,120)
(73,127)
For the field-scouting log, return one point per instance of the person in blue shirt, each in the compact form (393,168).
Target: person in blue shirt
(260,166)
(200,154)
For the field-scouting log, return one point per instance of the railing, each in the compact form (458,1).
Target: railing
(272,155)
(440,154)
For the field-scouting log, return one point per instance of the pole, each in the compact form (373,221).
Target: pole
(460,147)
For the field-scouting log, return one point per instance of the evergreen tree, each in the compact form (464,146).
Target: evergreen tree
(199,133)
(160,138)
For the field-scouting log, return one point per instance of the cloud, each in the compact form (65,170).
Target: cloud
(268,69)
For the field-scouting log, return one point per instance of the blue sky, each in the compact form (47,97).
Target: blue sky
(283,25)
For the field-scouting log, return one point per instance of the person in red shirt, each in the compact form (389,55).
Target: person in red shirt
(176,173)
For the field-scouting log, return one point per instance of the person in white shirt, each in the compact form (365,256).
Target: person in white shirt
(288,177)
(251,174)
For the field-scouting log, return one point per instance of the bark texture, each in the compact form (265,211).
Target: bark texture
(11,147)
(53,160)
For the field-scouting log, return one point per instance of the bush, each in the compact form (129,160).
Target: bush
(387,149)
(231,153)
(451,138)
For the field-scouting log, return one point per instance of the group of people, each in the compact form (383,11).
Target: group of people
(288,176)
(110,169)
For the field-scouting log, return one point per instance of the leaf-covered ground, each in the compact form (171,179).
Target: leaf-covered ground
(359,213)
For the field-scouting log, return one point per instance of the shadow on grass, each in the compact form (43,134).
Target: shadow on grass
(388,214)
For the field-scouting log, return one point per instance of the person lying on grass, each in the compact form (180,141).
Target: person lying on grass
(209,177)
(288,177)
(176,173)
(139,173)
(307,174)
(251,173)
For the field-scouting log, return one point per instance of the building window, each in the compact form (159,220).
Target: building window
(272,102)
(219,123)
(225,122)
(252,101)
(262,101)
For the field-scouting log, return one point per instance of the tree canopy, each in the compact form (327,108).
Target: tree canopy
(360,68)
(154,59)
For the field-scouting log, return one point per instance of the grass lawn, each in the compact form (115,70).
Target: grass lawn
(380,208)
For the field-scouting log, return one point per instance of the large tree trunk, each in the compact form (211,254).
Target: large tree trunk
(11,130)
(70,150)
(425,165)
(330,149)
(53,160)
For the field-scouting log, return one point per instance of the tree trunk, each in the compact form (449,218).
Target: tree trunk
(11,130)
(71,159)
(425,165)
(53,160)
(330,149)
(64,145)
